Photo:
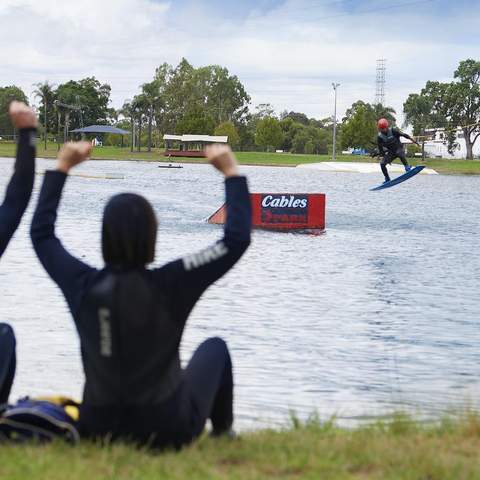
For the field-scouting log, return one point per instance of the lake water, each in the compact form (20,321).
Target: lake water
(380,313)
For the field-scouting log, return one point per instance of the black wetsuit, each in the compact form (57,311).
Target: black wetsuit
(131,322)
(16,201)
(19,189)
(390,147)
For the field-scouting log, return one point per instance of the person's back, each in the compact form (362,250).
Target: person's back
(130,319)
(131,354)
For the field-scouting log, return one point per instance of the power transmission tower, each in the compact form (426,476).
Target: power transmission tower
(380,82)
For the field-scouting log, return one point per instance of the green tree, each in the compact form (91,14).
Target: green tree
(381,111)
(128,112)
(359,126)
(90,99)
(299,141)
(246,131)
(264,110)
(228,129)
(196,121)
(290,128)
(268,133)
(161,79)
(309,147)
(318,139)
(296,117)
(450,105)
(140,110)
(46,93)
(7,95)
(152,100)
(210,89)
(311,140)
(417,110)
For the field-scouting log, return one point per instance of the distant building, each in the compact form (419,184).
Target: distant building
(437,145)
(190,145)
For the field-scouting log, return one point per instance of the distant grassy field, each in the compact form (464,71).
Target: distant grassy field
(445,166)
(401,449)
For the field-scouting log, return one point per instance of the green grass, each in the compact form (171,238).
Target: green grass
(445,166)
(400,449)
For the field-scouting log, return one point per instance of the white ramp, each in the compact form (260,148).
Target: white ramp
(359,167)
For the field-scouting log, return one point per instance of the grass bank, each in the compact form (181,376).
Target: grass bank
(401,449)
(445,166)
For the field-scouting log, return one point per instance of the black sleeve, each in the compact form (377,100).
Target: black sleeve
(380,145)
(69,273)
(397,133)
(188,277)
(20,187)
(404,135)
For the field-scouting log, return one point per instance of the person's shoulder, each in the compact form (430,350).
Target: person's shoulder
(396,130)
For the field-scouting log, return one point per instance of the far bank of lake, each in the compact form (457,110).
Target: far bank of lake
(443,166)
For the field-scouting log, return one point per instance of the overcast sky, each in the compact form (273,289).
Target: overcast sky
(285,52)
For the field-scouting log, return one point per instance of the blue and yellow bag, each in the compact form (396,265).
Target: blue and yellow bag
(41,420)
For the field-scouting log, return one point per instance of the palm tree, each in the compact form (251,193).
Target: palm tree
(384,112)
(140,106)
(46,93)
(151,96)
(128,112)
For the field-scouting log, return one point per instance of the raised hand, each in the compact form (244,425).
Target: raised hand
(223,159)
(22,116)
(73,153)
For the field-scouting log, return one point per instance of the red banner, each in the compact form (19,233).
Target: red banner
(283,211)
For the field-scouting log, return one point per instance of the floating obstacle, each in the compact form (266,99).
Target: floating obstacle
(287,212)
(170,165)
(103,176)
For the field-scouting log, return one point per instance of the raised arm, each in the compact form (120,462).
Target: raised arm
(20,187)
(407,136)
(69,273)
(191,275)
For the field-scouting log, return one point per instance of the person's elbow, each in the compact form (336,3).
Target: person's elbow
(38,233)
(237,245)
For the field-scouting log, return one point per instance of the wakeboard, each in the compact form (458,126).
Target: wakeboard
(400,179)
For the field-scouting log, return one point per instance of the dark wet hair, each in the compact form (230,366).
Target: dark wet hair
(129,231)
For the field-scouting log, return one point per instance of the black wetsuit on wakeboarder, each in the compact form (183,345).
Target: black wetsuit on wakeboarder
(16,200)
(390,147)
(131,322)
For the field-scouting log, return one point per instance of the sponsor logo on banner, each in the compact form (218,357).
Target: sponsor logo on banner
(285,209)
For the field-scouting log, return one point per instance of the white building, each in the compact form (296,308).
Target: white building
(437,145)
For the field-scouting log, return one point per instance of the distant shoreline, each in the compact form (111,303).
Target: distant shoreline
(265,159)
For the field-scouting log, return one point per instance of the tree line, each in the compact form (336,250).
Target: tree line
(209,100)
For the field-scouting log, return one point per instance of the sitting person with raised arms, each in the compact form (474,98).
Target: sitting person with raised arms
(130,319)
(12,209)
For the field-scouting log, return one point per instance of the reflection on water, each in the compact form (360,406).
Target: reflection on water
(379,313)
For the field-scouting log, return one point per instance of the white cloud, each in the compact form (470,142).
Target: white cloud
(287,56)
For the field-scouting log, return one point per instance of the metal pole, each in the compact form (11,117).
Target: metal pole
(45,120)
(334,153)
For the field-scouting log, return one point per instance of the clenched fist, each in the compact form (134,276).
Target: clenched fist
(223,159)
(22,116)
(73,153)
